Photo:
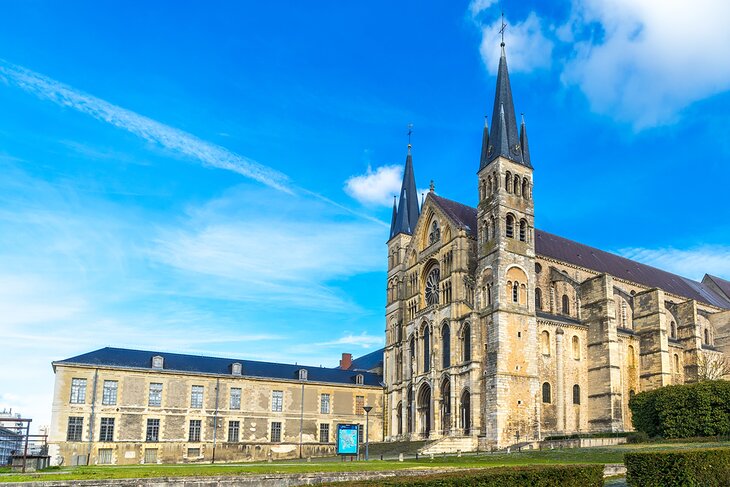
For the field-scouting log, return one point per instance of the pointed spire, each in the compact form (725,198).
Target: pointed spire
(503,138)
(408,211)
(395,213)
(523,143)
(483,160)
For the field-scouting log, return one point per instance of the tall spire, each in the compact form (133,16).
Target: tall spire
(523,143)
(484,159)
(408,211)
(503,138)
(393,218)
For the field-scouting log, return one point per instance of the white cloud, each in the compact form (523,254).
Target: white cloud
(527,46)
(168,137)
(478,6)
(692,263)
(644,62)
(362,340)
(376,187)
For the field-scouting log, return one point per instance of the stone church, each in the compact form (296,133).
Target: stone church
(498,333)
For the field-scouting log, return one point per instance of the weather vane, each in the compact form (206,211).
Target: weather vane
(504,26)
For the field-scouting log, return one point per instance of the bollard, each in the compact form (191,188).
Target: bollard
(416,455)
(381,457)
(400,457)
(458,453)
(507,449)
(431,456)
(309,459)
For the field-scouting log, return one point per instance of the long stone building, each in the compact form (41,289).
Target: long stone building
(498,333)
(119,406)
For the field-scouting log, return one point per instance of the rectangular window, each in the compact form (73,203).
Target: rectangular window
(78,391)
(196,397)
(153,432)
(105,456)
(150,455)
(235,398)
(155,394)
(360,436)
(359,405)
(275,432)
(324,433)
(277,401)
(75,428)
(233,427)
(325,404)
(109,394)
(194,434)
(193,452)
(106,430)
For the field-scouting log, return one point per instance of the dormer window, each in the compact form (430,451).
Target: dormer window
(302,374)
(158,362)
(236,369)
(359,379)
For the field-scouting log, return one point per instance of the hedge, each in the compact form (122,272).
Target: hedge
(681,411)
(534,476)
(690,468)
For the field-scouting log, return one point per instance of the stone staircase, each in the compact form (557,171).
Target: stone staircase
(449,444)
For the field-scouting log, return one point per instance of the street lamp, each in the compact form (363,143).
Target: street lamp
(367,436)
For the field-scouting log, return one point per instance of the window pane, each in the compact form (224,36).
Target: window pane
(324,433)
(277,401)
(106,429)
(359,405)
(78,391)
(233,428)
(194,434)
(235,398)
(155,394)
(105,456)
(325,404)
(196,397)
(109,394)
(150,455)
(153,431)
(75,428)
(275,432)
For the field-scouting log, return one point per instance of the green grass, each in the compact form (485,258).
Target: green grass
(567,456)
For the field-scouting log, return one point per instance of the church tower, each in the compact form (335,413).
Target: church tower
(506,274)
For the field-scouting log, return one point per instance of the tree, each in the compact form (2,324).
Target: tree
(712,366)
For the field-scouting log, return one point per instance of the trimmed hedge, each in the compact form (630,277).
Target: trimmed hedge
(534,476)
(691,468)
(681,411)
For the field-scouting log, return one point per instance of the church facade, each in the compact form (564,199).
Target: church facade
(500,333)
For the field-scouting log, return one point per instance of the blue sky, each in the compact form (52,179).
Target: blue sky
(218,179)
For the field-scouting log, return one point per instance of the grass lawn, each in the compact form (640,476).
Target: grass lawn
(567,456)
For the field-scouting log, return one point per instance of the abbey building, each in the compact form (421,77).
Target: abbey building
(498,333)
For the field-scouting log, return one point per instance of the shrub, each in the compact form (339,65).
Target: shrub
(691,468)
(534,476)
(638,437)
(681,411)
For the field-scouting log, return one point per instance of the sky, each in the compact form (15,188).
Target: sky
(217,178)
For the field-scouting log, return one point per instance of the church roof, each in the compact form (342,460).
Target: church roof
(721,284)
(370,361)
(562,249)
(175,362)
(407,215)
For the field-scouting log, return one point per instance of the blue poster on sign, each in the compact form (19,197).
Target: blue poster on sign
(347,436)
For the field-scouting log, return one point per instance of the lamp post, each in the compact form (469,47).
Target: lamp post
(367,435)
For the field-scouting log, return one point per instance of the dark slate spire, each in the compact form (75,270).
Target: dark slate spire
(392,219)
(503,139)
(523,143)
(485,145)
(408,210)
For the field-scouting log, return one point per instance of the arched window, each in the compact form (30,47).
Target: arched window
(566,304)
(523,230)
(399,416)
(525,189)
(576,347)
(516,189)
(515,292)
(632,393)
(489,294)
(545,342)
(508,182)
(676,363)
(412,362)
(435,234)
(466,342)
(707,336)
(673,330)
(576,394)
(489,185)
(538,298)
(446,345)
(510,227)
(631,357)
(426,349)
(494,227)
(432,286)
(546,393)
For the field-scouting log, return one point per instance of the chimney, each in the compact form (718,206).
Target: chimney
(346,361)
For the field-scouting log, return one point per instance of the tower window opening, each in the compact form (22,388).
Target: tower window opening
(510,231)
(523,230)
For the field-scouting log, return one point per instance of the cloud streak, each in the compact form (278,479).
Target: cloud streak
(168,137)
(692,263)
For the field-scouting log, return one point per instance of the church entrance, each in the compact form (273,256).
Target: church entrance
(424,410)
(466,412)
(446,406)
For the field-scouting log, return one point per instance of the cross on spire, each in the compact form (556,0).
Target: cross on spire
(502,29)
(410,131)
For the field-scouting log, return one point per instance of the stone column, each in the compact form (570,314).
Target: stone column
(560,381)
(604,380)
(452,420)
(650,324)
(690,336)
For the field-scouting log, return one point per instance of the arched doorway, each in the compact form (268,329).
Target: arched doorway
(465,411)
(409,411)
(424,409)
(446,406)
(399,418)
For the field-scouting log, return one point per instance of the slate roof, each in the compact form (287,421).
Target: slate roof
(406,217)
(722,284)
(175,362)
(368,362)
(559,248)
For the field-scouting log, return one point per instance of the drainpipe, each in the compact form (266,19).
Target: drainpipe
(91,420)
(215,417)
